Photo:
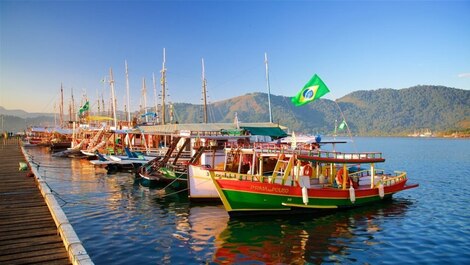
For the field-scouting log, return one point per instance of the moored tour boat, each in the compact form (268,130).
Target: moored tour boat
(37,136)
(172,168)
(250,158)
(322,180)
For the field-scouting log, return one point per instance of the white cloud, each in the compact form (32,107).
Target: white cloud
(464,75)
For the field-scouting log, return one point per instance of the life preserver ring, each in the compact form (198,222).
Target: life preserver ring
(308,170)
(197,143)
(339,177)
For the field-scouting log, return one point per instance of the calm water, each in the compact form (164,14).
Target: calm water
(121,222)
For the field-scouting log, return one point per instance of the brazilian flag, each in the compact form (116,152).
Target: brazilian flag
(84,108)
(314,89)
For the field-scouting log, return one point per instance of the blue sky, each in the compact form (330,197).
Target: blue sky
(351,45)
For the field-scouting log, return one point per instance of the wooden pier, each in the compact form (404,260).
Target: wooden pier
(28,234)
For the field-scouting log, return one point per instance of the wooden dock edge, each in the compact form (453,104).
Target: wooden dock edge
(73,245)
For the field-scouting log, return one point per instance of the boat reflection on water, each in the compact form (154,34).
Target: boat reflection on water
(202,226)
(305,240)
(160,225)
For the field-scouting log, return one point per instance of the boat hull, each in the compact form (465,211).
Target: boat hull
(151,181)
(164,177)
(200,184)
(244,197)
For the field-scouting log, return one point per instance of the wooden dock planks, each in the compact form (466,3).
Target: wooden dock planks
(27,231)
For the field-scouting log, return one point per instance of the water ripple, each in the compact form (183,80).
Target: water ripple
(121,222)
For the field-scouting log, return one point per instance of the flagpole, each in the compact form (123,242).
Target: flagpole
(347,126)
(113,101)
(128,96)
(204,91)
(269,88)
(144,95)
(61,107)
(155,96)
(163,84)
(334,135)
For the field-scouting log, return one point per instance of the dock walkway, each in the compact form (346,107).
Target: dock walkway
(28,234)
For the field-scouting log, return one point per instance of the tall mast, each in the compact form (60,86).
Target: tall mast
(144,95)
(204,91)
(98,101)
(128,95)
(103,107)
(125,106)
(72,113)
(113,97)
(269,88)
(55,114)
(163,83)
(61,107)
(155,94)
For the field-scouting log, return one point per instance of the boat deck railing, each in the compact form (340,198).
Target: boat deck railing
(272,148)
(343,155)
(380,176)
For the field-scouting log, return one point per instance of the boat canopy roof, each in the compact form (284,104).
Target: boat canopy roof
(344,158)
(274,132)
(63,131)
(40,129)
(269,129)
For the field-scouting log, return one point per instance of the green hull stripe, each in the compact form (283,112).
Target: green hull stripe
(242,201)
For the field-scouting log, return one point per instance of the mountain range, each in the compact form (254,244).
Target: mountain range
(374,112)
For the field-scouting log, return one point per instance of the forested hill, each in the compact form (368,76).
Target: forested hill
(376,112)
(390,111)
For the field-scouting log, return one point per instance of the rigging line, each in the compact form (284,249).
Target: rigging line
(172,182)
(290,107)
(71,180)
(50,166)
(347,126)
(211,114)
(77,202)
(55,193)
(38,164)
(176,192)
(219,112)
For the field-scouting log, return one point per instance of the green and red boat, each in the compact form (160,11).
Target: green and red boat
(315,182)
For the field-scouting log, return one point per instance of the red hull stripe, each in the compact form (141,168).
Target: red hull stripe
(282,190)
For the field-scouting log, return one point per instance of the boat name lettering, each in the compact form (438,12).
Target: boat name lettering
(269,189)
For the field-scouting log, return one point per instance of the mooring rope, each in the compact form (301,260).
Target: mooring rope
(169,194)
(172,182)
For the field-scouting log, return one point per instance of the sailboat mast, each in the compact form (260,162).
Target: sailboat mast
(55,114)
(113,97)
(163,83)
(204,91)
(155,94)
(144,95)
(98,101)
(268,87)
(72,113)
(128,95)
(61,108)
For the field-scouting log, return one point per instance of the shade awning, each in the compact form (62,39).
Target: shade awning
(274,132)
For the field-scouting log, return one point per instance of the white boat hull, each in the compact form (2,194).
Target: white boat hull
(200,184)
